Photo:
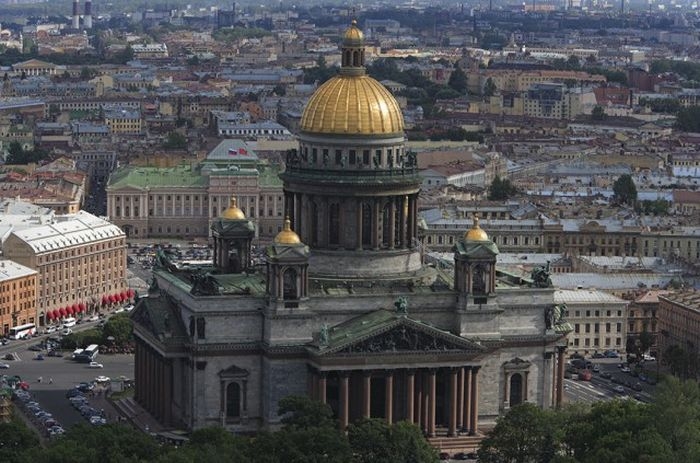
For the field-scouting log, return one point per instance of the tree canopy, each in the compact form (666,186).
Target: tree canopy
(624,190)
(500,190)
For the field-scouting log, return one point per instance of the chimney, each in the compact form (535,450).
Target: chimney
(87,19)
(76,14)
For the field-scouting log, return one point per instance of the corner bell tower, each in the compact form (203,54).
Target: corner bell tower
(475,268)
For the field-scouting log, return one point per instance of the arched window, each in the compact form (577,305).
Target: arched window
(233,400)
(516,389)
(289,280)
(355,58)
(334,224)
(347,58)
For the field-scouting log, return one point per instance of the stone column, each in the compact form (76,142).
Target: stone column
(560,377)
(322,387)
(402,223)
(475,401)
(366,394)
(358,232)
(460,399)
(554,378)
(418,398)
(452,431)
(344,401)
(468,400)
(410,395)
(524,394)
(506,399)
(392,222)
(314,386)
(376,239)
(389,397)
(433,395)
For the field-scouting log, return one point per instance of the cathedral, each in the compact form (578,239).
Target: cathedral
(343,308)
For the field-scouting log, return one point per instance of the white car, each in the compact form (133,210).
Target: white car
(66,331)
(129,307)
(102,379)
(4,366)
(51,329)
(649,358)
(94,318)
(95,365)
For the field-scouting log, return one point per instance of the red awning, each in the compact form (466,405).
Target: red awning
(124,296)
(69,310)
(62,311)
(81,306)
(76,308)
(130,293)
(105,300)
(49,314)
(111,298)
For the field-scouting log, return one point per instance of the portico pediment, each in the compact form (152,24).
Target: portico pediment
(385,332)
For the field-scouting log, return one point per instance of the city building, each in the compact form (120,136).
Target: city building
(18,291)
(184,201)
(599,320)
(679,321)
(80,259)
(342,308)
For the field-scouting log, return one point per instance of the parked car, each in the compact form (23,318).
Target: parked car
(611,354)
(598,355)
(66,331)
(4,366)
(649,358)
(95,365)
(619,389)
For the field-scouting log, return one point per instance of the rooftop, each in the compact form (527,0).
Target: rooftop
(10,270)
(153,177)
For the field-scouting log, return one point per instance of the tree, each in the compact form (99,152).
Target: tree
(175,141)
(375,441)
(598,113)
(524,435)
(501,190)
(688,119)
(118,327)
(624,190)
(490,87)
(676,416)
(458,81)
(615,431)
(15,438)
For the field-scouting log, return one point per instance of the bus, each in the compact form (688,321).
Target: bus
(22,331)
(88,354)
(194,264)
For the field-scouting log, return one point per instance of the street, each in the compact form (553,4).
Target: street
(600,388)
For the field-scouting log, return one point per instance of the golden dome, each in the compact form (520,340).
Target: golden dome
(476,233)
(352,105)
(287,235)
(353,33)
(233,212)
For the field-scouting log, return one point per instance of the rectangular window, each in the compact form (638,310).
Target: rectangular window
(365,157)
(338,157)
(353,157)
(577,328)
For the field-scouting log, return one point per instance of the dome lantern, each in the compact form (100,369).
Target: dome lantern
(287,235)
(233,212)
(476,233)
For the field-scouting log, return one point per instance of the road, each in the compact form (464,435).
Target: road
(600,388)
(64,372)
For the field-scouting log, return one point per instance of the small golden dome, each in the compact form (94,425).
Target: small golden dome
(476,233)
(352,105)
(287,235)
(353,33)
(233,212)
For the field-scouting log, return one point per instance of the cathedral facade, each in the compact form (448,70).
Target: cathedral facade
(344,310)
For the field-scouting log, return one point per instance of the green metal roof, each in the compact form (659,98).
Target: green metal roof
(154,177)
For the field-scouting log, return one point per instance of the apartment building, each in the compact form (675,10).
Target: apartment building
(679,321)
(79,258)
(17,295)
(599,320)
